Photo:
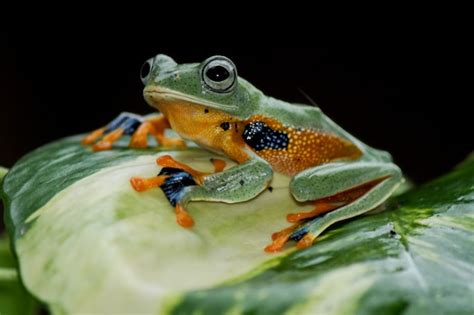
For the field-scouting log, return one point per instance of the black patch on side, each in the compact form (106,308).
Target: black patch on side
(259,137)
(206,111)
(270,188)
(174,185)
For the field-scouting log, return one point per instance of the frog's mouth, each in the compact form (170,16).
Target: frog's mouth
(157,96)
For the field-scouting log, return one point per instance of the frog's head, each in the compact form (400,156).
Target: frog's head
(212,84)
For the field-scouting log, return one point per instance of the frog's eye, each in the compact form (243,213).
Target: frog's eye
(219,74)
(146,70)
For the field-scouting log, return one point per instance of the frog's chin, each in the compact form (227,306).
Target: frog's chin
(158,96)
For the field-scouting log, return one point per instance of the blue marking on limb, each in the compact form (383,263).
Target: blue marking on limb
(130,125)
(127,121)
(175,186)
(298,234)
(116,123)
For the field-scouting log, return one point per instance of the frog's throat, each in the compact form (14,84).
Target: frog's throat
(154,95)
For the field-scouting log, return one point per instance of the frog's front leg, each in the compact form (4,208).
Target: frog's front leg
(236,184)
(155,126)
(339,191)
(135,125)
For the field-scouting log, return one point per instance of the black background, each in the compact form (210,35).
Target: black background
(402,88)
(402,95)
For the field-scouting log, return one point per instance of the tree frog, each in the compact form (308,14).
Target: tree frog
(208,103)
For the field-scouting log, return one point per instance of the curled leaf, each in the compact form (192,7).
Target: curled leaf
(88,243)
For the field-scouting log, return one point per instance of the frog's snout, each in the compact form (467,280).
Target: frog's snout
(155,65)
(385,156)
(163,62)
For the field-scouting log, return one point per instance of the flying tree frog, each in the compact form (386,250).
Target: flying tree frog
(209,104)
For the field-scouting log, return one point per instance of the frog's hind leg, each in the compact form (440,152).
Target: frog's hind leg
(281,237)
(339,192)
(307,232)
(328,204)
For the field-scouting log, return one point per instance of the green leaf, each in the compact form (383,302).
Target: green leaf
(87,243)
(3,172)
(14,300)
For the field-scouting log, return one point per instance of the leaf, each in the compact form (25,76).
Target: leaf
(14,300)
(3,172)
(86,242)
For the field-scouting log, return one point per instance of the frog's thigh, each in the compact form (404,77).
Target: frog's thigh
(351,175)
(311,229)
(237,184)
(333,178)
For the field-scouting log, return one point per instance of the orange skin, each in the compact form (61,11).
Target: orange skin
(202,125)
(306,148)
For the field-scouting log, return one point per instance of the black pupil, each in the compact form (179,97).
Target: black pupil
(145,70)
(217,73)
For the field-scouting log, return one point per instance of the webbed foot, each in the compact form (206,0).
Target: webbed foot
(174,180)
(132,125)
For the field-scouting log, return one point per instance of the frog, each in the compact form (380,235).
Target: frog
(209,104)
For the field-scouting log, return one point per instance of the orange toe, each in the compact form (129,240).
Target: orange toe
(138,143)
(276,245)
(280,239)
(137,183)
(306,241)
(102,146)
(182,217)
(288,230)
(93,136)
(143,184)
